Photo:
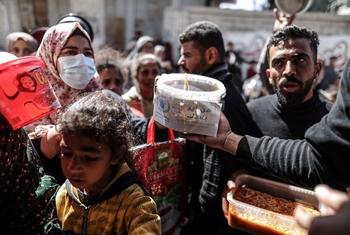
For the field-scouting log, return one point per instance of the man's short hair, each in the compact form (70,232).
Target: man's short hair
(205,34)
(294,32)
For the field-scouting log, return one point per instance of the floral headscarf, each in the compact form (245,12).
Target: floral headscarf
(49,50)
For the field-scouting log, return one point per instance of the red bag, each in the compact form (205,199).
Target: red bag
(160,166)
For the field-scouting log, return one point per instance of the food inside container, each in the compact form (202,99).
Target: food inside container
(263,206)
(188,103)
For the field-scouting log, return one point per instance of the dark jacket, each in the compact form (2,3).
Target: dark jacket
(322,157)
(210,169)
(25,191)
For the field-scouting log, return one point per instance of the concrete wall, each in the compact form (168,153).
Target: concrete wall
(114,22)
(249,30)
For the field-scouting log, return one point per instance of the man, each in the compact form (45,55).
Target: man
(202,52)
(322,157)
(293,68)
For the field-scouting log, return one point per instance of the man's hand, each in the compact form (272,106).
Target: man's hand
(225,139)
(335,213)
(225,204)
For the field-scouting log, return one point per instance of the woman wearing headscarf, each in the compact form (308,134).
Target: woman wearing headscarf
(143,45)
(21,44)
(144,71)
(67,52)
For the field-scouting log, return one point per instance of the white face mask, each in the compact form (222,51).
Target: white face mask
(76,71)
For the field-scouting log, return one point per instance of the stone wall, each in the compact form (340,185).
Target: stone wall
(114,21)
(249,30)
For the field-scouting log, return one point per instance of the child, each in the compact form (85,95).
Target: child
(101,194)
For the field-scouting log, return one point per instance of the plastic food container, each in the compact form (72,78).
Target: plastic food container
(250,218)
(25,92)
(188,103)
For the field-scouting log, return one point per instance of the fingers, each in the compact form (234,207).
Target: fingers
(49,143)
(40,131)
(231,185)
(303,218)
(330,198)
(225,204)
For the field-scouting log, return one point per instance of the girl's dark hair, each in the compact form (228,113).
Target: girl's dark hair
(102,116)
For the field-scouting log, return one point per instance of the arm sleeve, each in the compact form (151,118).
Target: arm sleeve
(294,161)
(322,157)
(141,215)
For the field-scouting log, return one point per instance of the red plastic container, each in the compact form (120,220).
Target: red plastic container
(25,92)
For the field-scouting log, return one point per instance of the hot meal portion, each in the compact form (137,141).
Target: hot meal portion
(277,220)
(269,202)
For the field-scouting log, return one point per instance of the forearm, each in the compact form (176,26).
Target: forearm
(231,143)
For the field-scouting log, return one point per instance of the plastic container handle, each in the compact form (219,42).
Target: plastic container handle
(151,132)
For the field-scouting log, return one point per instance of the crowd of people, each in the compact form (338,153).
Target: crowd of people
(71,172)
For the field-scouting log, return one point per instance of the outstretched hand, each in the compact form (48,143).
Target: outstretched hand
(224,130)
(335,213)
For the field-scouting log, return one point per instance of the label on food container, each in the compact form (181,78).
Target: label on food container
(188,116)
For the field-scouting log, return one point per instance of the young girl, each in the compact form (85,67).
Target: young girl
(101,194)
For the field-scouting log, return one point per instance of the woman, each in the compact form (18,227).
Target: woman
(67,52)
(144,71)
(21,44)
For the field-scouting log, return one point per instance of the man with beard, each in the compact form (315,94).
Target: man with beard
(321,157)
(293,68)
(202,52)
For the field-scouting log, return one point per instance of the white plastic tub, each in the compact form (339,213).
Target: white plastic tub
(188,103)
